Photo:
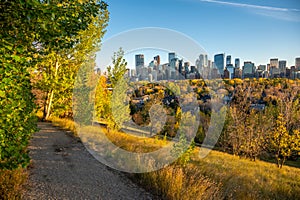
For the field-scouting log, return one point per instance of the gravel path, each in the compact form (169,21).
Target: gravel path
(63,169)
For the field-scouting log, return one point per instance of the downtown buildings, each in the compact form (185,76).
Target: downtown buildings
(221,67)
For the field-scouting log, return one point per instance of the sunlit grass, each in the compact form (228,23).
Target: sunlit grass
(64,123)
(219,175)
(246,179)
(175,182)
(134,143)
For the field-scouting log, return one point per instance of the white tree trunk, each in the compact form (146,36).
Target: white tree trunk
(52,92)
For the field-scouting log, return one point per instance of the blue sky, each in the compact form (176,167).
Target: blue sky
(253,30)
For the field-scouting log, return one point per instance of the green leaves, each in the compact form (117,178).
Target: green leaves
(60,79)
(60,21)
(117,71)
(115,109)
(38,32)
(2,94)
(17,117)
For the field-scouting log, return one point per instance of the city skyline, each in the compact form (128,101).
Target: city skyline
(221,67)
(130,59)
(250,30)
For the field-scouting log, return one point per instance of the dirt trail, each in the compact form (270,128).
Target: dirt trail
(63,169)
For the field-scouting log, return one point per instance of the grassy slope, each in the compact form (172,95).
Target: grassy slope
(240,178)
(243,178)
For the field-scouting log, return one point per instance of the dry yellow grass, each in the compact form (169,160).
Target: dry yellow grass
(175,182)
(12,183)
(64,123)
(134,143)
(246,179)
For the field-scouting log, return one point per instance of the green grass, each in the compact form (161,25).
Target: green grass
(219,175)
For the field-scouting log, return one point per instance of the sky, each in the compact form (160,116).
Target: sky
(252,30)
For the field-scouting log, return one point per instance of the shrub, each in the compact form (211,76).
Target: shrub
(17,116)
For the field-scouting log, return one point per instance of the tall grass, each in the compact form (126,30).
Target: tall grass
(134,143)
(175,182)
(64,123)
(12,183)
(217,176)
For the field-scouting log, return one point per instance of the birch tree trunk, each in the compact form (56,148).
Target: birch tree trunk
(51,94)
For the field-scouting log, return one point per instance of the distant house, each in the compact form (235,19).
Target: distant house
(258,107)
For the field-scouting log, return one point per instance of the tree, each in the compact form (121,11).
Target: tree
(115,110)
(236,128)
(247,128)
(102,99)
(120,104)
(183,149)
(118,70)
(287,100)
(253,140)
(284,143)
(84,95)
(60,62)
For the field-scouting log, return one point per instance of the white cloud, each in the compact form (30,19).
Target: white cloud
(275,12)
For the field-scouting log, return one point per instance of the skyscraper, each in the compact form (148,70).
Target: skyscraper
(248,70)
(282,68)
(209,64)
(274,63)
(228,60)
(186,67)
(297,64)
(180,66)
(274,68)
(282,64)
(202,63)
(237,63)
(230,70)
(219,62)
(172,55)
(174,64)
(139,62)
